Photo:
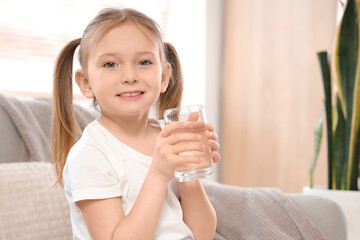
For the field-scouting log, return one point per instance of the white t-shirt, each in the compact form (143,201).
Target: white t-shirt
(100,166)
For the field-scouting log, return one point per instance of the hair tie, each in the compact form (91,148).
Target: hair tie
(79,41)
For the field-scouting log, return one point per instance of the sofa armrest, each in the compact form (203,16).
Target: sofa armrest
(30,208)
(327,215)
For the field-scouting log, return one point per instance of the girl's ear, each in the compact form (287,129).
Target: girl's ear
(83,82)
(166,74)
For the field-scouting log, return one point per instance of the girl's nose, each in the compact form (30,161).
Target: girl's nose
(128,75)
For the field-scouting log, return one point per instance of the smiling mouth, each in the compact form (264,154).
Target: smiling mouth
(130,94)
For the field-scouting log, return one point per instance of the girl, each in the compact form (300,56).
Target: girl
(118,176)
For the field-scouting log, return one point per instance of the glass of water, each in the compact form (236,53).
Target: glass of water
(190,113)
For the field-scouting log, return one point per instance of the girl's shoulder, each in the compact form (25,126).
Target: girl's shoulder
(93,136)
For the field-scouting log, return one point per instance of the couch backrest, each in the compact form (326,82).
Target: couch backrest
(25,125)
(9,139)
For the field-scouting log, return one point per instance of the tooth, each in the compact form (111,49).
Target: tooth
(130,94)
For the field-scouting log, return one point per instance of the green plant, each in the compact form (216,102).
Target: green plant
(341,78)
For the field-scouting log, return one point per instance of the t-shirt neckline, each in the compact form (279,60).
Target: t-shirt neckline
(153,122)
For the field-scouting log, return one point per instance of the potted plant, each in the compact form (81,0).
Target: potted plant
(341,71)
(341,80)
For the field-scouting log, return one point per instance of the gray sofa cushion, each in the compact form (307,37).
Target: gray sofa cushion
(26,127)
(252,213)
(9,139)
(29,207)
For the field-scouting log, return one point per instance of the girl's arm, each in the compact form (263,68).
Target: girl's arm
(199,215)
(106,219)
(198,212)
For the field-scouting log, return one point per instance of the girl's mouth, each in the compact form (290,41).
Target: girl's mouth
(131,95)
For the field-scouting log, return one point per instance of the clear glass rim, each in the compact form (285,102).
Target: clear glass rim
(197,106)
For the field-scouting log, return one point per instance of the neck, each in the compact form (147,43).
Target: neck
(131,126)
(133,131)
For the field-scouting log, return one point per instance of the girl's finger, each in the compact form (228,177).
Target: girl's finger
(216,157)
(193,117)
(188,161)
(183,137)
(182,127)
(212,136)
(196,148)
(214,145)
(210,127)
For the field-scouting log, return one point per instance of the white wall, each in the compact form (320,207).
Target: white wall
(213,74)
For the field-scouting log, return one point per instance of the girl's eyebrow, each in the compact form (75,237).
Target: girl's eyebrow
(113,54)
(145,52)
(141,53)
(107,55)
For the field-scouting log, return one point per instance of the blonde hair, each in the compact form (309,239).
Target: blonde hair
(65,130)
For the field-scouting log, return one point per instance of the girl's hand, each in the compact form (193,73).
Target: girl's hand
(173,140)
(213,143)
(212,136)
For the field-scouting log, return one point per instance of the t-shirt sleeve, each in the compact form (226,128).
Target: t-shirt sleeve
(90,174)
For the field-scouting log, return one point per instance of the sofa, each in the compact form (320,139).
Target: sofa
(32,208)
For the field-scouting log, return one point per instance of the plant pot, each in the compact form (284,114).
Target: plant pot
(349,202)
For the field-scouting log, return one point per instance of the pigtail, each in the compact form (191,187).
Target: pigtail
(171,98)
(64,126)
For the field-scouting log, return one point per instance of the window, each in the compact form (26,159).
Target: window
(33,32)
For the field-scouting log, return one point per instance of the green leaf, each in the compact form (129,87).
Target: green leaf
(345,64)
(339,159)
(353,167)
(345,57)
(318,137)
(325,71)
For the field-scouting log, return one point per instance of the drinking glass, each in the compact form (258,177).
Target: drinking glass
(184,114)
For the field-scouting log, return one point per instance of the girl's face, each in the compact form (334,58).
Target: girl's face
(125,72)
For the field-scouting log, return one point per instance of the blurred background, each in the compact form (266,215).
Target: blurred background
(252,63)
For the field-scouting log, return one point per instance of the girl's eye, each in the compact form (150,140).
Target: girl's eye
(110,65)
(144,62)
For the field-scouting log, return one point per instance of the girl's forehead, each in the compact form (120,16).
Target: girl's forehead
(128,36)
